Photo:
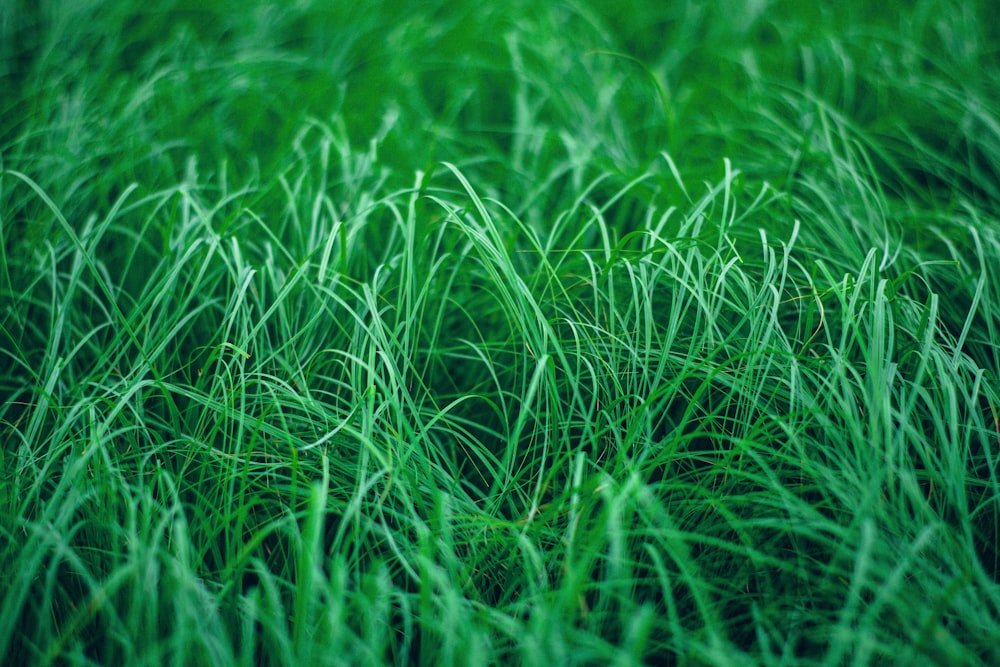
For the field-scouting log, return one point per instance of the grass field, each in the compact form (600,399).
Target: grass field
(441,333)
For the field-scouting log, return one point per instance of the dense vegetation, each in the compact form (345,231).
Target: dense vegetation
(450,333)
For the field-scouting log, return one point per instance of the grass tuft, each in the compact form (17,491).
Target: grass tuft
(570,335)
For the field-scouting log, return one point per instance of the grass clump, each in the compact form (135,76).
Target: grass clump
(532,336)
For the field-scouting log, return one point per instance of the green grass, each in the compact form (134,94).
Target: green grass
(649,333)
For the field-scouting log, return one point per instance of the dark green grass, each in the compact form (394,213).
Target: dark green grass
(585,334)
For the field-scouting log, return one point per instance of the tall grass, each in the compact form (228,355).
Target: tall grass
(519,335)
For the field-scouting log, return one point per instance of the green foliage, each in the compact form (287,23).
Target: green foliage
(593,333)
